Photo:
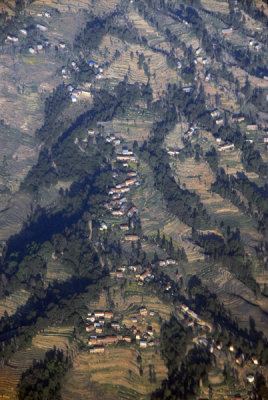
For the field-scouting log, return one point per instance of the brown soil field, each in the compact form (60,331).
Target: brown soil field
(237,297)
(12,302)
(117,373)
(216,6)
(10,374)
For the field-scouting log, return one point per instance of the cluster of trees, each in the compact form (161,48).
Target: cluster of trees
(230,251)
(166,243)
(43,379)
(184,371)
(228,186)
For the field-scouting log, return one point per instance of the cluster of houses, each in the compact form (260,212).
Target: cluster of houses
(192,131)
(239,357)
(97,322)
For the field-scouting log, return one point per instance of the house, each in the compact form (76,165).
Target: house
(97,349)
(118,212)
(24,32)
(231,348)
(90,132)
(42,28)
(252,127)
(184,308)
(200,59)
(226,147)
(208,77)
(143,311)
(74,98)
(143,344)
(132,173)
(133,210)
(239,359)
(99,314)
(205,61)
(227,31)
(116,142)
(170,261)
(250,378)
(130,182)
(151,313)
(115,325)
(119,274)
(62,45)
(103,226)
(99,329)
(219,345)
(47,14)
(31,50)
(127,152)
(257,46)
(12,38)
(255,360)
(187,89)
(104,340)
(92,64)
(138,335)
(132,238)
(124,227)
(145,275)
(219,122)
(39,46)
(90,328)
(173,153)
(198,51)
(108,314)
(127,339)
(162,263)
(265,140)
(215,113)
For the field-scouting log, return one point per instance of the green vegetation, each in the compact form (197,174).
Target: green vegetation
(43,379)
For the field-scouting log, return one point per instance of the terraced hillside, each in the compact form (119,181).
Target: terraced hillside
(133,187)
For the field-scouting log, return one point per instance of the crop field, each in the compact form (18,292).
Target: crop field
(23,359)
(116,371)
(216,6)
(154,215)
(12,218)
(153,36)
(236,296)
(221,209)
(11,303)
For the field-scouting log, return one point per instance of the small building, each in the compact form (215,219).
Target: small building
(115,325)
(39,46)
(90,328)
(231,348)
(42,28)
(143,311)
(32,50)
(170,261)
(252,127)
(239,359)
(226,147)
(143,344)
(219,122)
(187,89)
(145,275)
(99,314)
(108,314)
(250,378)
(103,226)
(24,32)
(162,263)
(215,113)
(74,98)
(198,51)
(90,132)
(227,31)
(124,227)
(127,339)
(255,360)
(47,14)
(132,238)
(118,212)
(97,349)
(12,38)
(62,45)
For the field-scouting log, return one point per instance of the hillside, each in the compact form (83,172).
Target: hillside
(134,199)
